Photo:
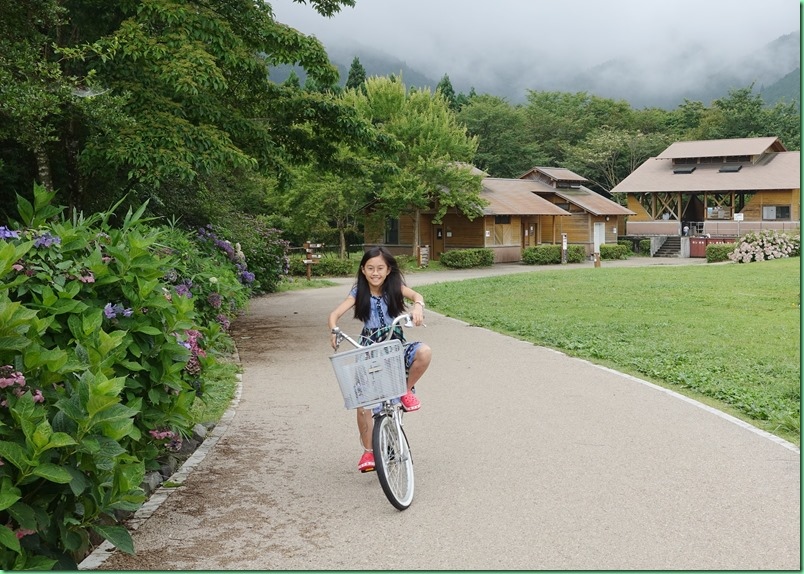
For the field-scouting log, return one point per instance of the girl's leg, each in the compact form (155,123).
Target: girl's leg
(420,363)
(365,425)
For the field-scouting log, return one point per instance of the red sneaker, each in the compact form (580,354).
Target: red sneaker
(410,402)
(366,463)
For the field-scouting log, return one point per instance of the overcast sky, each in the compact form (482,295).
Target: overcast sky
(473,37)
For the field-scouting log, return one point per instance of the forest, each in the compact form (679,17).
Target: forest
(171,103)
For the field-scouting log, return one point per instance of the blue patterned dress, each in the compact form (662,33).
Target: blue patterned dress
(376,328)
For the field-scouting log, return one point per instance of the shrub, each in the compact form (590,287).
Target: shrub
(765,244)
(717,252)
(100,362)
(327,266)
(644,246)
(467,258)
(260,243)
(551,254)
(207,274)
(614,251)
(627,243)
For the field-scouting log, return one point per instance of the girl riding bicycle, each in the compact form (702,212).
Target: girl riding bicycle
(378,297)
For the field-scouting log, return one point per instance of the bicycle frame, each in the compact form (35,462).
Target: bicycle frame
(393,460)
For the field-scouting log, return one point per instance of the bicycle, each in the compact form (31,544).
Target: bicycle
(373,376)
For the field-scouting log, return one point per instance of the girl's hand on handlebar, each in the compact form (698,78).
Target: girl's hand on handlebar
(417,313)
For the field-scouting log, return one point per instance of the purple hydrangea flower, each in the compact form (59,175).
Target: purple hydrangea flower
(46,240)
(214,299)
(6,233)
(183,290)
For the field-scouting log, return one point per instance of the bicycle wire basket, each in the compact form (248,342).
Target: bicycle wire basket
(370,375)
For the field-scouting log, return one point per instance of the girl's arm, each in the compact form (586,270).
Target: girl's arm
(418,304)
(336,314)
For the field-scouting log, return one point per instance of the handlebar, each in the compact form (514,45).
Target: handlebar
(340,335)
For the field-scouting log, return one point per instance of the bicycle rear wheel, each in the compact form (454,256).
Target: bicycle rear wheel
(393,462)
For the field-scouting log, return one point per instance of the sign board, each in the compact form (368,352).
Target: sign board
(424,255)
(309,245)
(738,217)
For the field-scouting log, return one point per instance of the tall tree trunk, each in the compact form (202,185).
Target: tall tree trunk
(416,217)
(342,235)
(43,168)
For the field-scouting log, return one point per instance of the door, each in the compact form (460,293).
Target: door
(599,236)
(438,241)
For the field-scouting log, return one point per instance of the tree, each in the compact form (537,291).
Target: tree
(357,75)
(447,91)
(174,94)
(505,148)
(607,156)
(432,151)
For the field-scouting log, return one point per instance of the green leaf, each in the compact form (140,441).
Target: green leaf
(147,329)
(24,515)
(9,539)
(41,435)
(53,473)
(117,535)
(14,343)
(9,494)
(59,440)
(14,453)
(91,321)
(25,209)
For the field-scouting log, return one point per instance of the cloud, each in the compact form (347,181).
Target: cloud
(544,43)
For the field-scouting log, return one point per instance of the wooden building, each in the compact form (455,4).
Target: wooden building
(513,218)
(537,208)
(715,188)
(594,219)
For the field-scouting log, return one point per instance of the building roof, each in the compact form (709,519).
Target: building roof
(516,197)
(781,170)
(590,201)
(721,148)
(556,173)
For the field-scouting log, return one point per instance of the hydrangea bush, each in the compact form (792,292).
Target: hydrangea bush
(102,354)
(765,245)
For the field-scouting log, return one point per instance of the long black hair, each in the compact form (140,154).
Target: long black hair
(391,288)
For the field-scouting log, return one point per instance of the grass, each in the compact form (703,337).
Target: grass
(726,334)
(220,384)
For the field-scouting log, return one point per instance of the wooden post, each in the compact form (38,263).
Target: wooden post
(312,256)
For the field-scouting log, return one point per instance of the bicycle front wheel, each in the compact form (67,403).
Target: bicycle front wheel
(393,462)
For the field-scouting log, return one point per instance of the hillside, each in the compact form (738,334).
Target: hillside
(773,69)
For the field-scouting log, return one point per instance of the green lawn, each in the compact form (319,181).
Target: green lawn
(726,334)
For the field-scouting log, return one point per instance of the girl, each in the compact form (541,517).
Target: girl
(378,297)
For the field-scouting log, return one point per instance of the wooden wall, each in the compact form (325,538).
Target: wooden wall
(753,209)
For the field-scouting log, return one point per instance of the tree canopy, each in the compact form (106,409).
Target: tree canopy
(101,99)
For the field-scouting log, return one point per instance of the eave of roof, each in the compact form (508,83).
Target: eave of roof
(556,173)
(719,148)
(780,170)
(516,197)
(592,202)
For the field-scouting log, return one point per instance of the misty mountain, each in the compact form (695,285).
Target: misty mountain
(664,81)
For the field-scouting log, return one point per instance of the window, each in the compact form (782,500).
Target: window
(392,232)
(775,212)
(730,168)
(684,169)
(502,219)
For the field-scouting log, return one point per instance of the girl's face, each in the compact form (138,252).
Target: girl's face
(376,270)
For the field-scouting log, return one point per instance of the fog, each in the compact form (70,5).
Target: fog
(508,46)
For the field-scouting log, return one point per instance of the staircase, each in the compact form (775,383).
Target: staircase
(670,248)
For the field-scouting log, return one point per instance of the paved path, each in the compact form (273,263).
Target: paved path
(525,459)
